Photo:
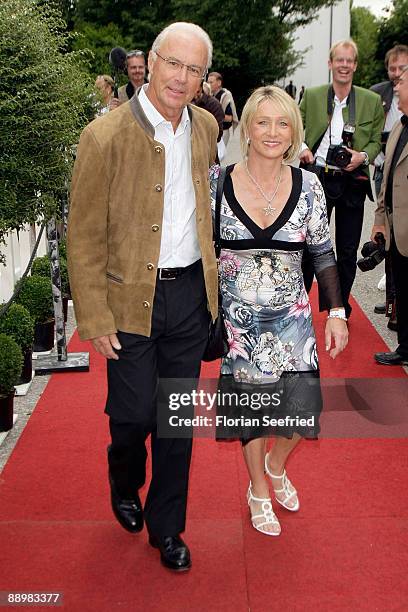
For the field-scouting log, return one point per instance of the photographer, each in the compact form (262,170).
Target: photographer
(343,126)
(391,219)
(136,71)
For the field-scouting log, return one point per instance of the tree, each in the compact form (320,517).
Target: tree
(393,31)
(252,40)
(364,31)
(43,107)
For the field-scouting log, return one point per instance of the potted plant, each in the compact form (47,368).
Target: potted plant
(41,267)
(36,295)
(11,363)
(18,324)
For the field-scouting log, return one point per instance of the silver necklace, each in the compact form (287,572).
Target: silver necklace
(268,210)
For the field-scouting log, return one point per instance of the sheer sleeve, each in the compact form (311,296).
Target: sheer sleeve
(213,173)
(321,250)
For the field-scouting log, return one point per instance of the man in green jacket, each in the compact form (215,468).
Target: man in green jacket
(343,126)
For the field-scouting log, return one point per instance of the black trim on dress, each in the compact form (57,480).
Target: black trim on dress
(284,215)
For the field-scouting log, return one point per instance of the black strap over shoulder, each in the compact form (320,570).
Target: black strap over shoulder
(351,102)
(217,220)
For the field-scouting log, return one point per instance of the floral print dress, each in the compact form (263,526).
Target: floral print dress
(266,307)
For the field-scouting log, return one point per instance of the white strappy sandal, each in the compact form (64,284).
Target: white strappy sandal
(287,488)
(268,515)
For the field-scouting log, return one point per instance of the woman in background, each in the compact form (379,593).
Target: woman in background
(105,86)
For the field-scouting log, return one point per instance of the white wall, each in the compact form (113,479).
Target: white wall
(17,250)
(318,36)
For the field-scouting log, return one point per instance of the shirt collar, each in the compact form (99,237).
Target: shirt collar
(340,102)
(153,115)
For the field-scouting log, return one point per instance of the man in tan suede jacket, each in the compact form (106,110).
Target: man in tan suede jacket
(143,272)
(391,219)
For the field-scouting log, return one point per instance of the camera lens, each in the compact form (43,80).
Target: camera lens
(342,158)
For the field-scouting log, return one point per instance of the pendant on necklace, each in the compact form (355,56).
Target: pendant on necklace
(268,209)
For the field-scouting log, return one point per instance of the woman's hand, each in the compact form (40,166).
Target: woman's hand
(337,330)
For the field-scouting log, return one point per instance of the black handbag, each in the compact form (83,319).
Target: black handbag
(217,345)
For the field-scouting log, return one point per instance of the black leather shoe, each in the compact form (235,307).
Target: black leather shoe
(393,358)
(174,553)
(129,512)
(392,325)
(379,308)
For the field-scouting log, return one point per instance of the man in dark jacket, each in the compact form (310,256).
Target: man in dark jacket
(205,100)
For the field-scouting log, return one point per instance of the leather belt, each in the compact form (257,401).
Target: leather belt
(173,273)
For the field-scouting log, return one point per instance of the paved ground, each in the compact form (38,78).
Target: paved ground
(364,290)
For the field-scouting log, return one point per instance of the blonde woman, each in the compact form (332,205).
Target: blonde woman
(269,211)
(104,84)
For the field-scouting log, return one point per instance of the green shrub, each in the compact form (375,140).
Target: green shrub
(36,295)
(18,324)
(62,249)
(11,364)
(41,267)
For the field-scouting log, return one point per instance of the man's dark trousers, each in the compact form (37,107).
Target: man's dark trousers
(400,271)
(349,205)
(173,350)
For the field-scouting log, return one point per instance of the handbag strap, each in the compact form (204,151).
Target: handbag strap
(217,220)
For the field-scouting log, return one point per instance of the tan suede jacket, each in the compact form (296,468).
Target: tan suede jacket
(116,210)
(399,219)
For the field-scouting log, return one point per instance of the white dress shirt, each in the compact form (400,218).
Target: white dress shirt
(337,124)
(179,241)
(393,115)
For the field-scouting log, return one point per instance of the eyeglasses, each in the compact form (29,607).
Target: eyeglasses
(135,53)
(175,65)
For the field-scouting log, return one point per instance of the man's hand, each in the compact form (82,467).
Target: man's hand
(105,345)
(377,229)
(306,157)
(357,159)
(114,103)
(337,330)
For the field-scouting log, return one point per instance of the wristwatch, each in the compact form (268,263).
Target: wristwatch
(366,158)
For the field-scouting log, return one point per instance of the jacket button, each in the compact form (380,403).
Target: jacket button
(197,181)
(158,187)
(150,266)
(158,149)
(146,304)
(155,228)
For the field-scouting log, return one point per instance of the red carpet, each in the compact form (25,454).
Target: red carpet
(345,550)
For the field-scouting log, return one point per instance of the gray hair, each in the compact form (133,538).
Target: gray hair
(190,28)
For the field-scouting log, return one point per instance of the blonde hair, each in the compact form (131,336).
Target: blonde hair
(107,79)
(289,107)
(349,42)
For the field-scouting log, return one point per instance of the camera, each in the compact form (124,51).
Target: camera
(337,155)
(373,253)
